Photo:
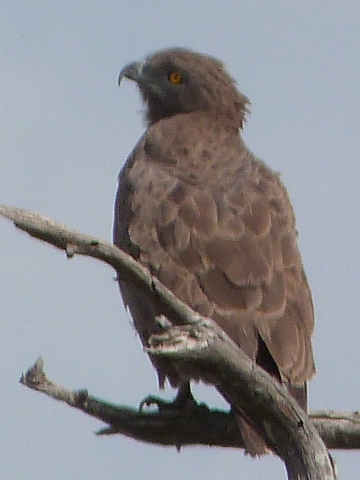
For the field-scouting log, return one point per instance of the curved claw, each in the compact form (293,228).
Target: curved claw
(151,400)
(184,400)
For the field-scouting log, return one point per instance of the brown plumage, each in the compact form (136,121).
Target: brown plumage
(212,222)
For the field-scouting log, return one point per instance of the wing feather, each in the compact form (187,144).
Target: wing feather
(224,243)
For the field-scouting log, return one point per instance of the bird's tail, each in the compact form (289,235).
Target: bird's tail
(255,445)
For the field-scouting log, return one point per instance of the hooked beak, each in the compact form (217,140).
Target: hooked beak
(132,71)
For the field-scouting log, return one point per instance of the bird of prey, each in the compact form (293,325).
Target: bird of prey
(213,223)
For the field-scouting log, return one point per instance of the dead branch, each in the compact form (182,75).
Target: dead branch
(200,342)
(77,243)
(178,427)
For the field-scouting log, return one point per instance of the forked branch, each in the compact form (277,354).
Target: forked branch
(200,342)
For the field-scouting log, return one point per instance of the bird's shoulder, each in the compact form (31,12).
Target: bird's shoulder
(194,186)
(201,151)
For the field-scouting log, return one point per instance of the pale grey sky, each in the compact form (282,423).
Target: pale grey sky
(66,129)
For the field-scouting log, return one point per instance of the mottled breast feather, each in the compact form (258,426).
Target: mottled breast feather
(216,226)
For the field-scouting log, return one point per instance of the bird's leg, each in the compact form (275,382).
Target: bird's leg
(184,396)
(184,400)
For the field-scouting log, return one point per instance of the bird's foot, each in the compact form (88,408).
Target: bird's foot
(184,400)
(153,400)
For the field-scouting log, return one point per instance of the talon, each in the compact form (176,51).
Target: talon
(184,400)
(153,400)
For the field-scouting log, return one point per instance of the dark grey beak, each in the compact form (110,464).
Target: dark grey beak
(132,71)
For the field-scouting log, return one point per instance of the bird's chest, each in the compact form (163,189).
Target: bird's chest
(151,185)
(159,171)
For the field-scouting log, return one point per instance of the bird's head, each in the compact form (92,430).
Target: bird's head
(177,81)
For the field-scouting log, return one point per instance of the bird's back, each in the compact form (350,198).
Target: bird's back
(216,226)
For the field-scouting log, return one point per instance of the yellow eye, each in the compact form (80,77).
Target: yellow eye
(175,77)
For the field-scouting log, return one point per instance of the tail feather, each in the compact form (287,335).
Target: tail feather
(255,445)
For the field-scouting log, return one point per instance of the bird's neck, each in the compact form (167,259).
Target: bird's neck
(194,146)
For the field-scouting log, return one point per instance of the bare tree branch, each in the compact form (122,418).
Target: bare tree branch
(198,341)
(179,427)
(74,242)
(282,423)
